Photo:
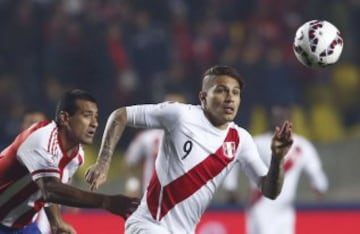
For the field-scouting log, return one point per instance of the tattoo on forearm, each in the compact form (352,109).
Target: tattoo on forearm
(112,134)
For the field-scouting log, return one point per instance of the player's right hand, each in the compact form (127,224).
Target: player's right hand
(96,175)
(121,205)
(282,140)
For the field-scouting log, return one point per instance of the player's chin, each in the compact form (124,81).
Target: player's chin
(229,117)
(87,140)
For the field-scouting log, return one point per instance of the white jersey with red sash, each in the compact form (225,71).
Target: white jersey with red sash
(35,153)
(193,160)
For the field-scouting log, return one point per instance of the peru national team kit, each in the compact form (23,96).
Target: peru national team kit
(194,158)
(36,152)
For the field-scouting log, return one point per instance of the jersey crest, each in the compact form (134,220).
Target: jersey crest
(229,148)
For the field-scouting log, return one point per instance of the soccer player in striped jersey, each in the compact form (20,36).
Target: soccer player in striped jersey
(36,165)
(200,145)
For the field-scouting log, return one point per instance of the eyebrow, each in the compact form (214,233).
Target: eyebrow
(222,85)
(89,111)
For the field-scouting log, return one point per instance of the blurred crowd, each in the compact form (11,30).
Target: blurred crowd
(134,51)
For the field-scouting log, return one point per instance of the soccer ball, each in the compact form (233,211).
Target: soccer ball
(317,44)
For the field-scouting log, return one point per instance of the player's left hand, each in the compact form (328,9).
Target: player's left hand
(282,140)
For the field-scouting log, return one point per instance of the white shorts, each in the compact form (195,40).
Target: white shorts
(278,220)
(135,226)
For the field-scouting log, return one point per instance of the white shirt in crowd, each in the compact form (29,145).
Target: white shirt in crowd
(144,148)
(265,216)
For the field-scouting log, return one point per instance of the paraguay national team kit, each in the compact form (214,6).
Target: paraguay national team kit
(36,150)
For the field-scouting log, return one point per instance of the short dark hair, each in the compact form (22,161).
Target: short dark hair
(68,101)
(221,70)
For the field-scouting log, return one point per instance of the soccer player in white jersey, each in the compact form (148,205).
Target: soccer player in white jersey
(31,117)
(200,146)
(143,151)
(35,166)
(264,216)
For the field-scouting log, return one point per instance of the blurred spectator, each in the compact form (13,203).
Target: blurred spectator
(137,50)
(265,216)
(30,117)
(149,51)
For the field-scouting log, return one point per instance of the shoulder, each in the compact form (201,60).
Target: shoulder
(39,134)
(180,107)
(267,136)
(41,140)
(162,108)
(45,130)
(180,111)
(243,133)
(301,140)
(304,145)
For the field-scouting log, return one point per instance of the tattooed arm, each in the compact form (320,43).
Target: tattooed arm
(115,126)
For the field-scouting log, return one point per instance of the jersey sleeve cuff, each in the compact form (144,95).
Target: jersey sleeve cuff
(45,173)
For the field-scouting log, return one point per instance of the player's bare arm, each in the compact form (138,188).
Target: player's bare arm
(281,143)
(97,173)
(56,192)
(57,224)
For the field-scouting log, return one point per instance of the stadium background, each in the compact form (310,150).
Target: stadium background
(127,52)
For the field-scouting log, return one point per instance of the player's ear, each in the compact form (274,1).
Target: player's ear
(62,118)
(202,97)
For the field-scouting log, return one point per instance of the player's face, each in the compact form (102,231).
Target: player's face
(221,101)
(83,124)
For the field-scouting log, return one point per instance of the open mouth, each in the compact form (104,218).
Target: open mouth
(91,133)
(229,110)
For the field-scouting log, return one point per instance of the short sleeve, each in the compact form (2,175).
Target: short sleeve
(39,162)
(249,158)
(163,115)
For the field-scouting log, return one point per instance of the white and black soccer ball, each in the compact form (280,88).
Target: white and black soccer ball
(318,43)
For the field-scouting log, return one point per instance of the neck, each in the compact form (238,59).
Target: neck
(67,145)
(214,122)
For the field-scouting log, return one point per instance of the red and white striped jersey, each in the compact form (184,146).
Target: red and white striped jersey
(144,147)
(193,160)
(36,152)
